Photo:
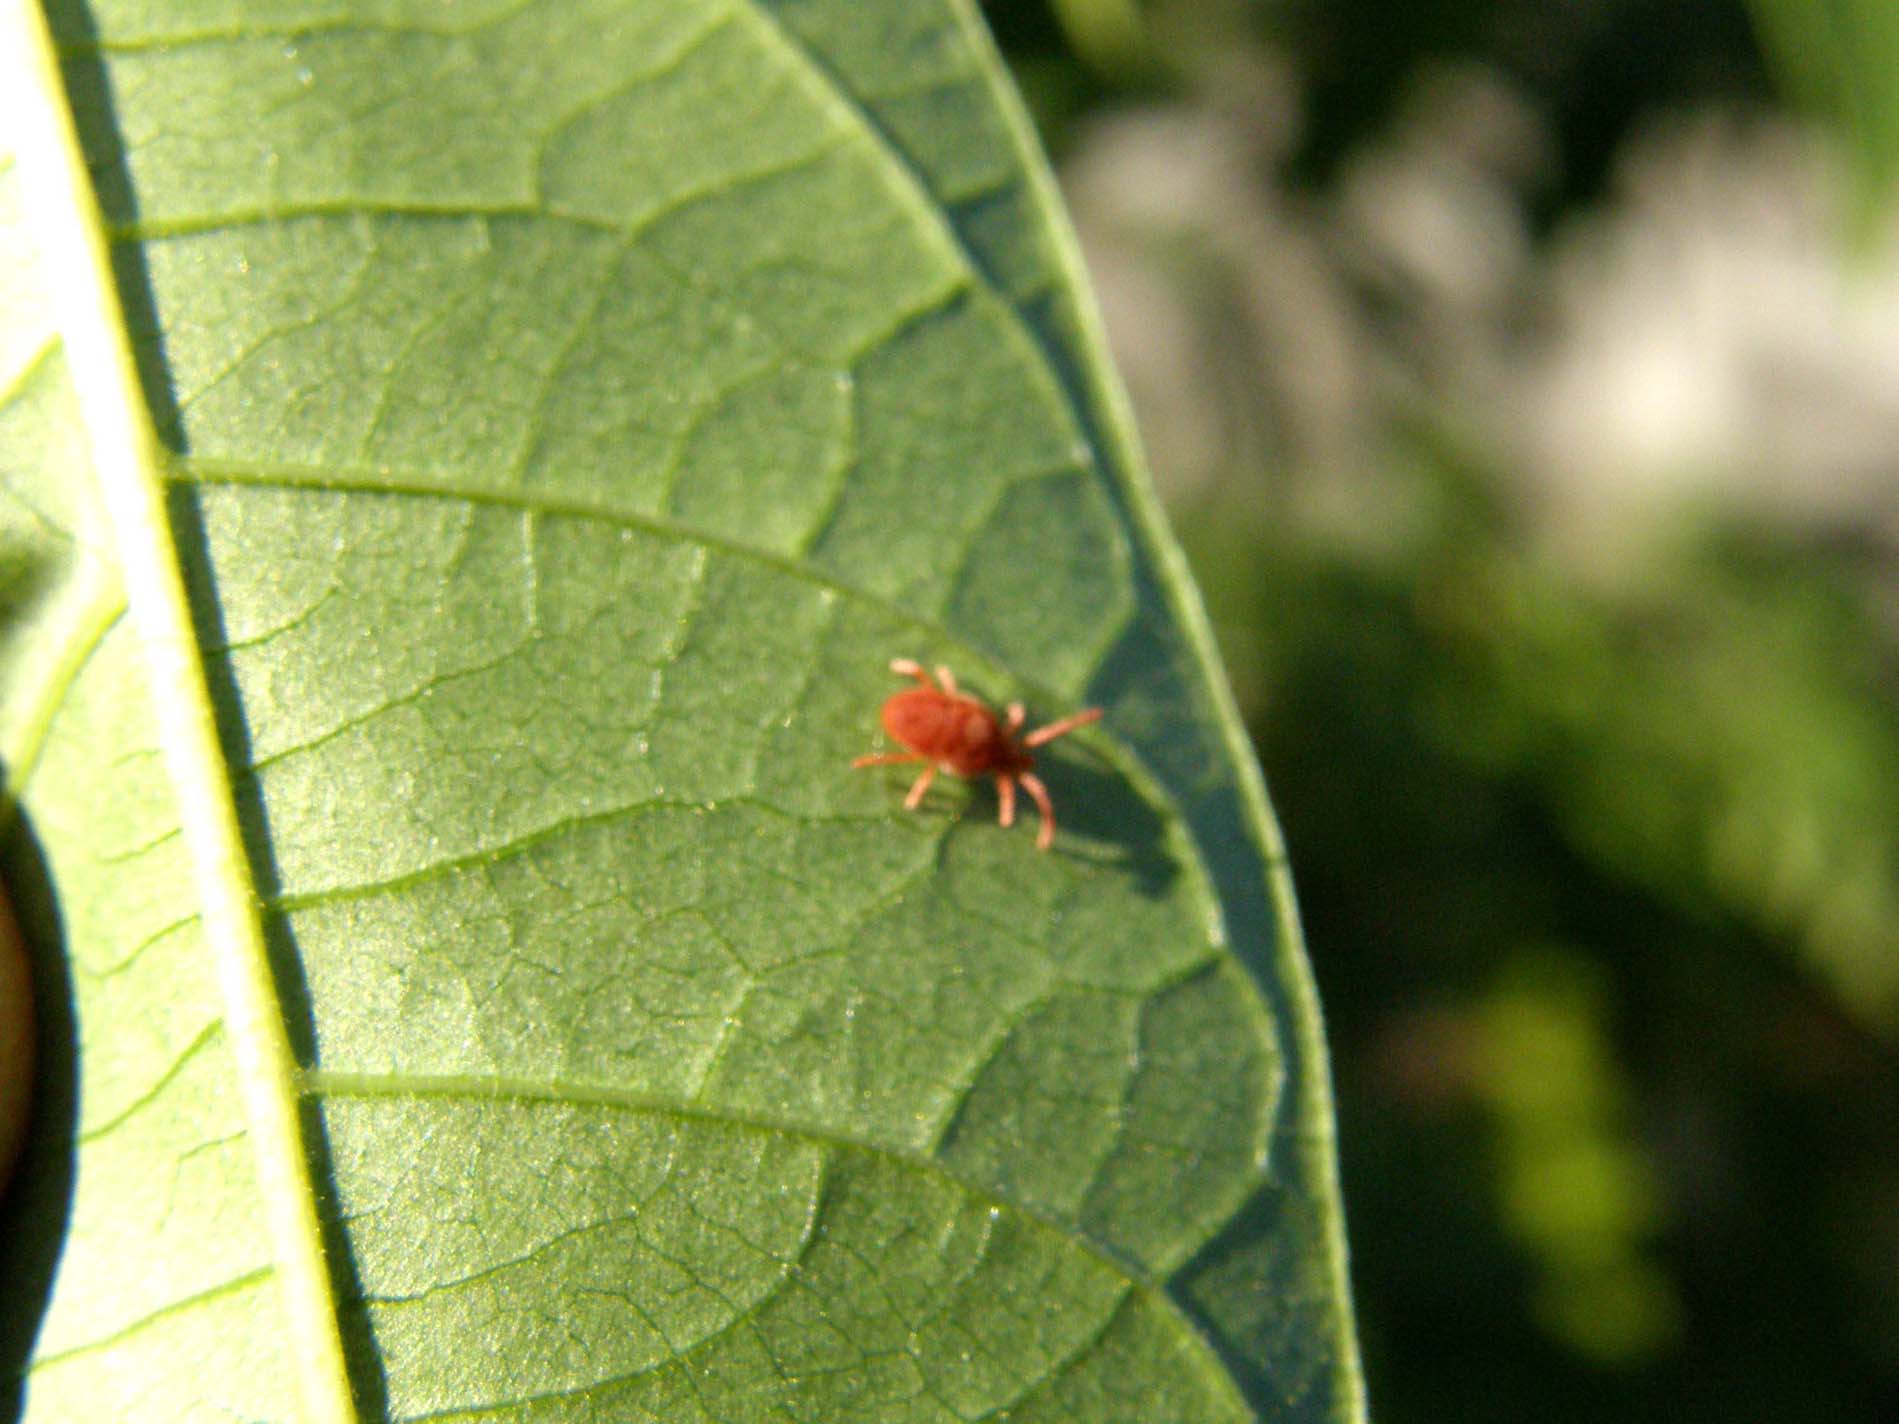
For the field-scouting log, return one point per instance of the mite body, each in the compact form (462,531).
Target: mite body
(954,732)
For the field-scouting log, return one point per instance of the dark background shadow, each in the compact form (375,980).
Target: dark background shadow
(36,1210)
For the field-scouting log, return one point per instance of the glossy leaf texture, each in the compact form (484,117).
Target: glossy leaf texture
(562,412)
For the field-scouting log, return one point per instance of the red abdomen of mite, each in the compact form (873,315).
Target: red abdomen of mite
(956,732)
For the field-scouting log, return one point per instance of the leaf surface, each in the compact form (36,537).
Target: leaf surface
(526,433)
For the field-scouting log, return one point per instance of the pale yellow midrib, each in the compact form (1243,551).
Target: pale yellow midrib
(127,462)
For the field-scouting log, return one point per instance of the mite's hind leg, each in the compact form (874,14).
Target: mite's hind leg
(915,798)
(1005,796)
(1038,793)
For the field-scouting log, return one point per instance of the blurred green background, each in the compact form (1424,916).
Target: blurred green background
(1523,379)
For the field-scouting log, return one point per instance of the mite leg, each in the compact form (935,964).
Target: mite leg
(1005,793)
(1031,783)
(1061,728)
(886,759)
(915,798)
(946,679)
(910,667)
(1016,714)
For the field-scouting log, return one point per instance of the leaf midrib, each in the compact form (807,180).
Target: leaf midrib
(72,245)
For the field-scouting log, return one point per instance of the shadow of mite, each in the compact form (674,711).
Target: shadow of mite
(1101,819)
(1105,821)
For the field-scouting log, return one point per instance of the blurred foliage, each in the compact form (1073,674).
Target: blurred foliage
(1599,865)
(1607,1146)
(1722,735)
(1109,35)
(1840,58)
(1573,1190)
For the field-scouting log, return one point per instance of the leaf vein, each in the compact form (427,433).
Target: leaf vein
(208,1035)
(554,1092)
(235,1286)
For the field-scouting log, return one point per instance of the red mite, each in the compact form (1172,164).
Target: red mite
(961,735)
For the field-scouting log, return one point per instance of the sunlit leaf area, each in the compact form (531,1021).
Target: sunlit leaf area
(471,472)
(1523,380)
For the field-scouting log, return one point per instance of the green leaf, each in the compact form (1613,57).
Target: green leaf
(463,488)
